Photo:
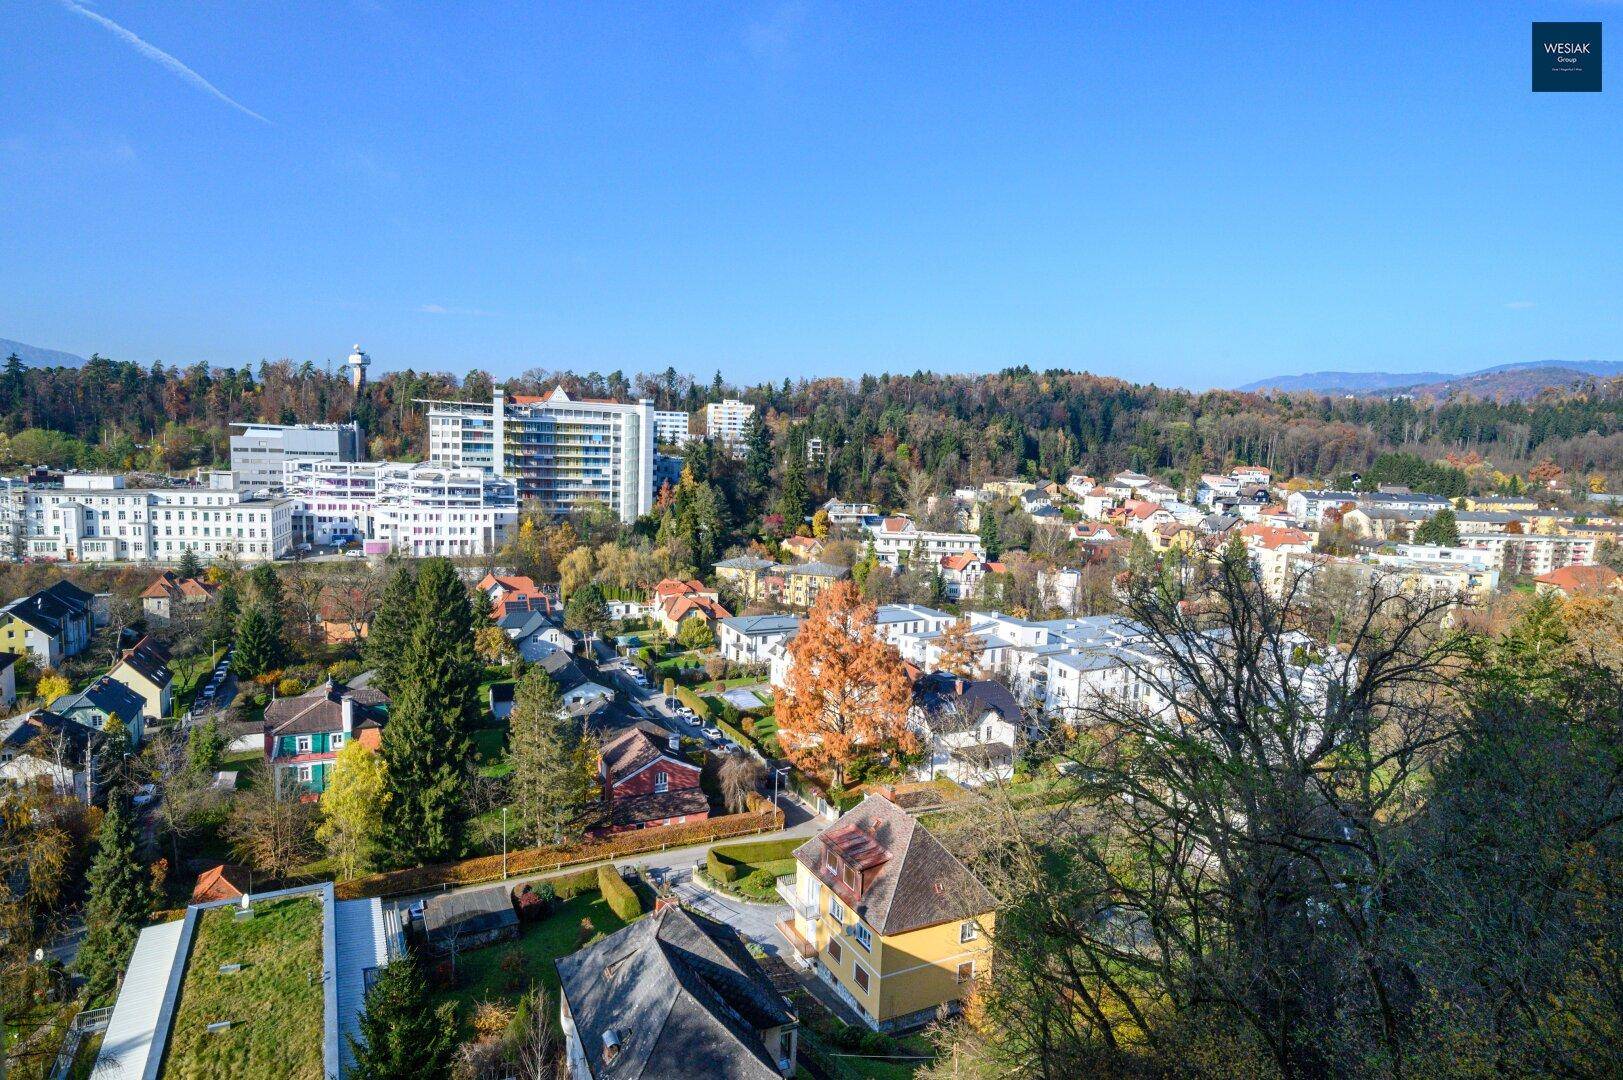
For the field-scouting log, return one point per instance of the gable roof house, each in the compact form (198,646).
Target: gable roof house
(888,917)
(458,921)
(171,595)
(51,624)
(144,668)
(101,700)
(533,632)
(673,994)
(645,784)
(971,726)
(43,747)
(304,734)
(1580,580)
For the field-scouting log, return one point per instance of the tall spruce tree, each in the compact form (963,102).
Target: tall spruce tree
(267,589)
(552,780)
(391,627)
(257,648)
(120,901)
(189,566)
(426,742)
(402,1033)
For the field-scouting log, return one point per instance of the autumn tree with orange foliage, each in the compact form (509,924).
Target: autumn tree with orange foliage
(848,692)
(961,649)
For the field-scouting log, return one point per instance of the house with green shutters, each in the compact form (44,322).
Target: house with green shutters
(304,734)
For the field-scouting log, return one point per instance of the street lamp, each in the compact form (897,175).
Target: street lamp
(504,843)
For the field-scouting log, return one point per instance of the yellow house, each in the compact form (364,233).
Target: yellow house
(889,918)
(144,668)
(803,583)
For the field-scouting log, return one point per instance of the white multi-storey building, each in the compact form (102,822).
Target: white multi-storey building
(95,518)
(724,421)
(420,509)
(1532,554)
(562,453)
(896,540)
(260,451)
(671,426)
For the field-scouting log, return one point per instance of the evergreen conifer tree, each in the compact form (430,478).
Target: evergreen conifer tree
(426,743)
(402,1033)
(391,627)
(120,899)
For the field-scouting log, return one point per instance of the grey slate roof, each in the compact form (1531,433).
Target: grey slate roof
(954,704)
(322,709)
(762,624)
(105,695)
(682,994)
(921,884)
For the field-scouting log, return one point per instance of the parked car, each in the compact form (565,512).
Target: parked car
(711,731)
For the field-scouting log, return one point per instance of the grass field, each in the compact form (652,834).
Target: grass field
(274,1002)
(480,974)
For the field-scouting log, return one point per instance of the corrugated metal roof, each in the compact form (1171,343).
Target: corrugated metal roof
(130,1040)
(363,943)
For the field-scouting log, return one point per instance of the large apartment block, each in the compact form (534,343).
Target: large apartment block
(261,451)
(421,510)
(564,453)
(95,518)
(724,421)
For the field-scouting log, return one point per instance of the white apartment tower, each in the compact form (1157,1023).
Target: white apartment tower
(724,420)
(561,452)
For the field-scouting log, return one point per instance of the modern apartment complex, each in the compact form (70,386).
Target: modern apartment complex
(421,509)
(562,452)
(95,518)
(724,421)
(259,453)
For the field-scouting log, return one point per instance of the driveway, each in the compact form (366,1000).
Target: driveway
(756,922)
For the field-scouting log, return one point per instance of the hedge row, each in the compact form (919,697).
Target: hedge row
(566,886)
(418,879)
(621,898)
(727,862)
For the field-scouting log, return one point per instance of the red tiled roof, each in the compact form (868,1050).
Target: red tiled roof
(1582,578)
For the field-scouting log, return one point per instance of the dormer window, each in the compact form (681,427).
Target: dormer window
(662,783)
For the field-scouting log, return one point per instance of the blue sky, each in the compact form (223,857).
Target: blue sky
(1185,194)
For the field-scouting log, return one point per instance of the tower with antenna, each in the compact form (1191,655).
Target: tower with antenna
(357,368)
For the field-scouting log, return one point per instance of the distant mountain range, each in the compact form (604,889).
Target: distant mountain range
(34,356)
(1502,381)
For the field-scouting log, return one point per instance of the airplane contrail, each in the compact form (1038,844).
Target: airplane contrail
(152,52)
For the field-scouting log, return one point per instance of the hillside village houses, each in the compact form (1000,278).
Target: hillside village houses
(144,668)
(45,747)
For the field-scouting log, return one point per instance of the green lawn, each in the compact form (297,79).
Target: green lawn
(480,974)
(274,1002)
(490,746)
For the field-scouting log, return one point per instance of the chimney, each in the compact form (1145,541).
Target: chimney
(611,1045)
(958,685)
(347,706)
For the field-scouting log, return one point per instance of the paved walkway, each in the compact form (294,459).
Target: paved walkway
(803,823)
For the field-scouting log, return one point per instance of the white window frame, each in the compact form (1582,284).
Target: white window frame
(860,933)
(968,931)
(836,910)
(662,783)
(302,744)
(303,773)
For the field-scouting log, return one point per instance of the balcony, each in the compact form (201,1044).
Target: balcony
(804,910)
